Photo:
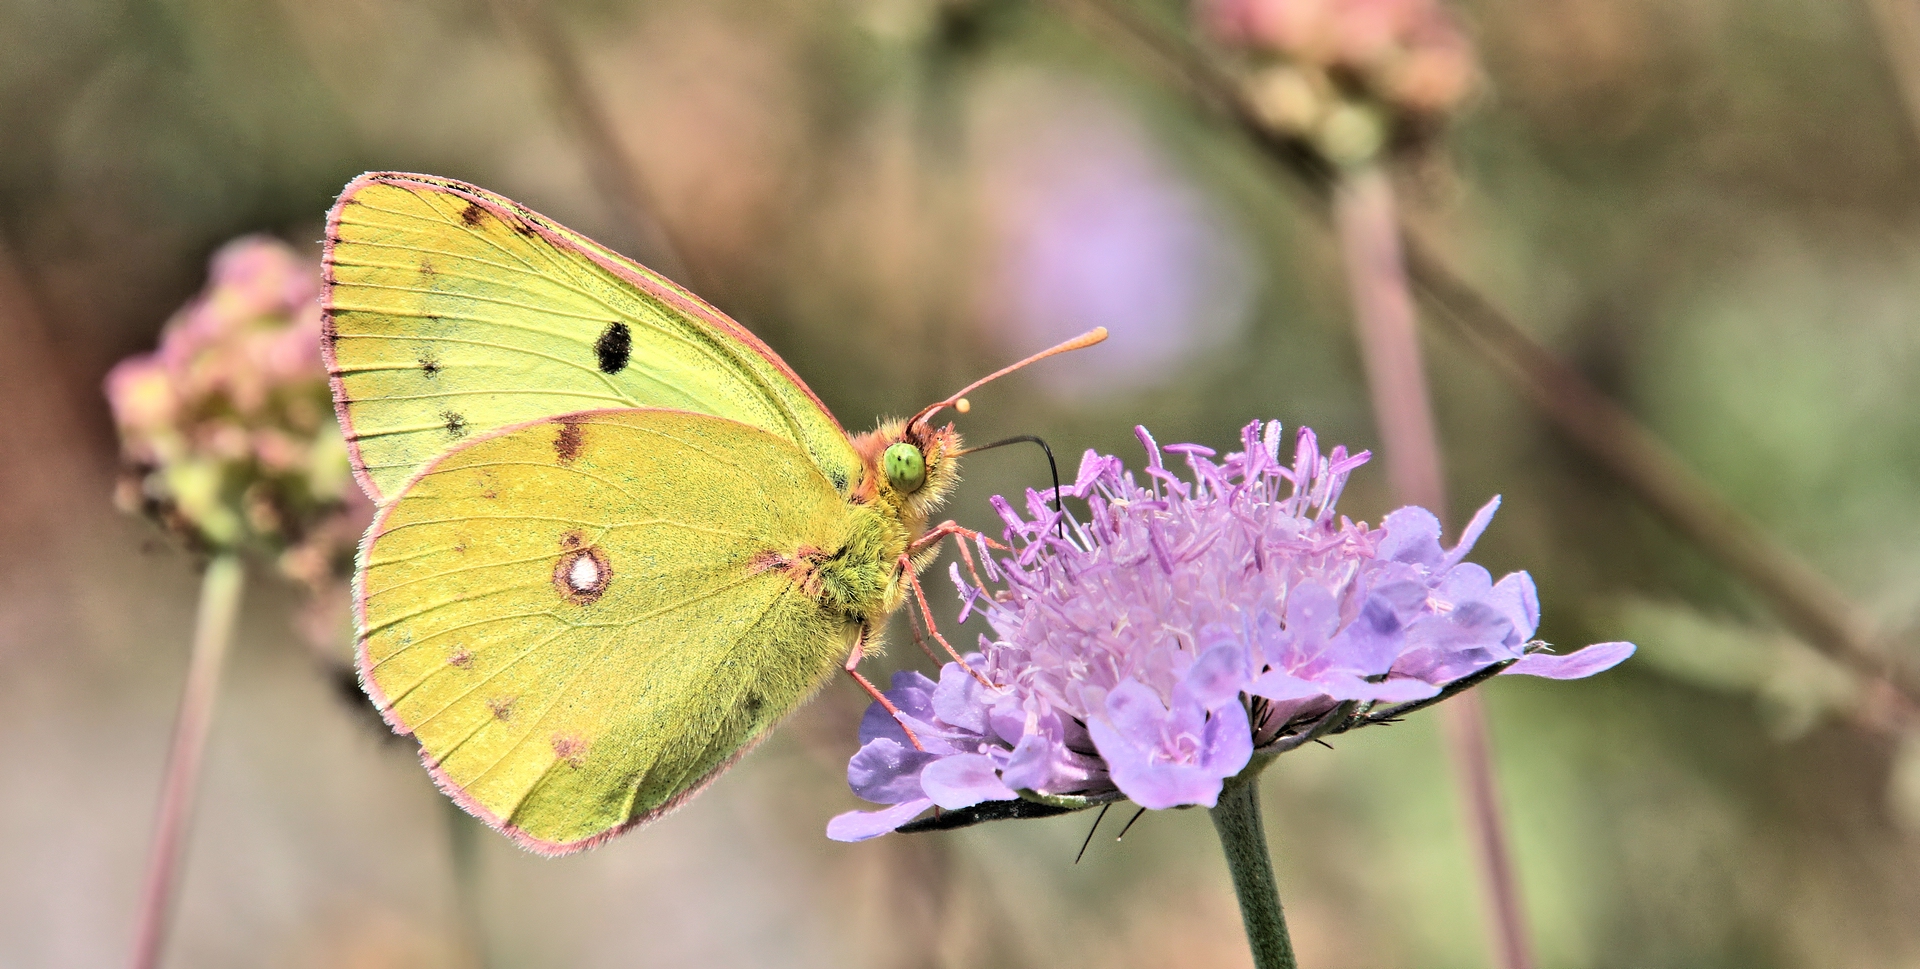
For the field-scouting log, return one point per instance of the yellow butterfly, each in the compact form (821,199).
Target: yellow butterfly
(618,537)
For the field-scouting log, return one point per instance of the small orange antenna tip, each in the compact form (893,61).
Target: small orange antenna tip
(959,400)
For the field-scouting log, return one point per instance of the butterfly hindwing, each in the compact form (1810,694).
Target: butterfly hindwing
(579,620)
(452,312)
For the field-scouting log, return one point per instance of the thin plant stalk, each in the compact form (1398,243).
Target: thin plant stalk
(610,167)
(1898,24)
(212,634)
(1463,724)
(1236,819)
(1364,216)
(1368,224)
(463,855)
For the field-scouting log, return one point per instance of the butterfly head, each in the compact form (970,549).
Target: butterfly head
(911,466)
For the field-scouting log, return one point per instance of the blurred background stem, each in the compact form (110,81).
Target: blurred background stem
(1806,601)
(213,632)
(1236,819)
(614,173)
(1898,24)
(463,850)
(1367,222)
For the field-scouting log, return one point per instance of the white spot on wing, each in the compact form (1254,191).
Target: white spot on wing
(582,572)
(584,575)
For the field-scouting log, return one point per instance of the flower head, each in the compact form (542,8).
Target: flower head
(1187,624)
(1328,70)
(227,429)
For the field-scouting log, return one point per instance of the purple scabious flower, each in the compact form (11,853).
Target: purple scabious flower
(1187,625)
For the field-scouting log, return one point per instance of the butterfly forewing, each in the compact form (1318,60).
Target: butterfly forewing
(578,617)
(453,312)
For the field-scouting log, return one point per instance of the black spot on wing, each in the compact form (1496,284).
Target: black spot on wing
(472,213)
(613,347)
(456,425)
(429,364)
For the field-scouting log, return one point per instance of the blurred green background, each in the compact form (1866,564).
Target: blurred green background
(1709,205)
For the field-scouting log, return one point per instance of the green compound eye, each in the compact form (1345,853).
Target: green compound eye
(905,466)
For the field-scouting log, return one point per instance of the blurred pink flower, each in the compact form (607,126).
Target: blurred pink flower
(1409,56)
(227,428)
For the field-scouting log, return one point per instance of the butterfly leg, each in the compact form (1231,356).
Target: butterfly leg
(967,557)
(920,594)
(945,528)
(853,662)
(913,626)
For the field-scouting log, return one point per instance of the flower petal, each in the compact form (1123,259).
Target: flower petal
(1227,743)
(886,772)
(1281,685)
(1135,711)
(1313,616)
(1413,536)
(1574,665)
(960,700)
(1219,675)
(1128,764)
(862,825)
(912,692)
(964,780)
(1398,689)
(1471,534)
(1150,783)
(1031,765)
(1516,596)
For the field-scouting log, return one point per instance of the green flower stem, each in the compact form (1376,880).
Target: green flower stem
(1237,820)
(213,632)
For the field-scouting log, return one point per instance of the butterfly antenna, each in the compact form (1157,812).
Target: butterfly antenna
(1052,467)
(959,400)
